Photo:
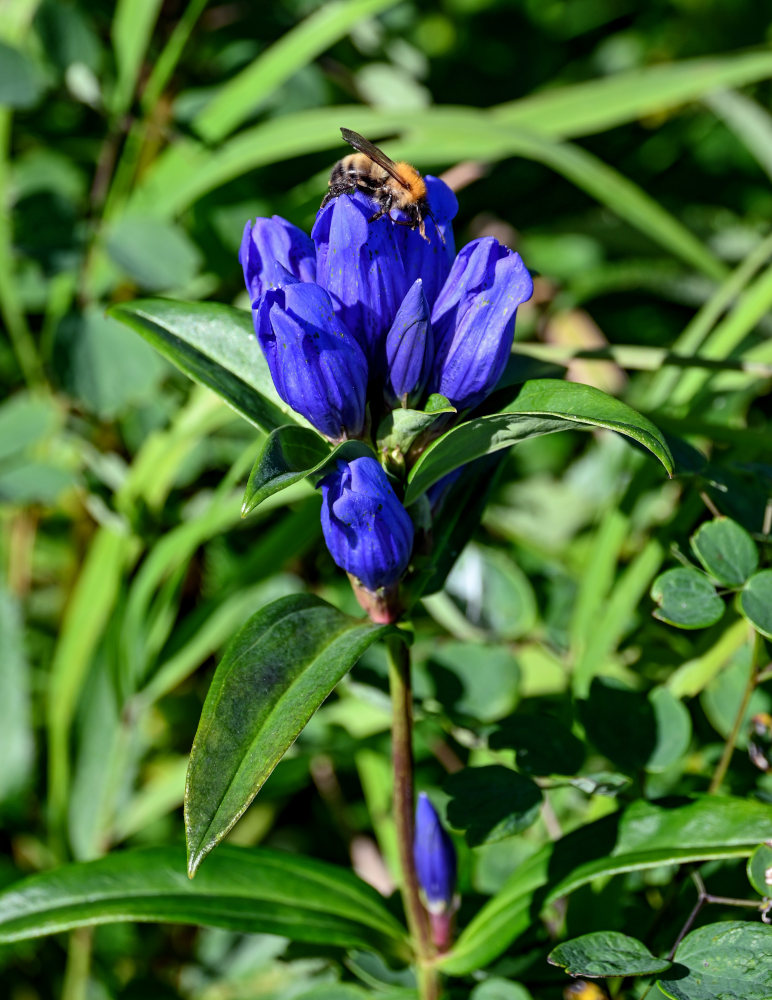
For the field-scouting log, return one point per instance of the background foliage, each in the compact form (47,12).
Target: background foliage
(625,150)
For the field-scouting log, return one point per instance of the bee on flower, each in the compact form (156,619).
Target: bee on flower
(373,312)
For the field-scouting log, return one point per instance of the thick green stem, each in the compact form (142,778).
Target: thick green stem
(404,806)
(750,687)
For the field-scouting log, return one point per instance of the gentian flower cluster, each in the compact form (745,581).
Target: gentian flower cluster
(367,316)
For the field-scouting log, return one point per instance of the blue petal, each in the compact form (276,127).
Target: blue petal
(360,265)
(367,530)
(435,857)
(474,320)
(316,365)
(409,350)
(270,242)
(430,258)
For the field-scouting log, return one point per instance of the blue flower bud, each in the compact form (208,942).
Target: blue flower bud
(409,350)
(268,243)
(435,858)
(474,320)
(360,265)
(367,530)
(315,363)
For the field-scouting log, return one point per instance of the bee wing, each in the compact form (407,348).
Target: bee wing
(376,155)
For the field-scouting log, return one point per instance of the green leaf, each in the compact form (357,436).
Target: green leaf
(491,803)
(543,406)
(731,960)
(600,783)
(400,427)
(726,551)
(756,602)
(157,254)
(760,870)
(499,989)
(274,675)
(543,744)
(25,420)
(251,891)
(606,953)
(634,730)
(21,82)
(288,455)
(486,596)
(686,599)
(17,745)
(216,346)
(454,522)
(673,727)
(242,95)
(583,108)
(645,836)
(474,680)
(132,26)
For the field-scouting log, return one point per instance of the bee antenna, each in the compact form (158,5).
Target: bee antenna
(436,225)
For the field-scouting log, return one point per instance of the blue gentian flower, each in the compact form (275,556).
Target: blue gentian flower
(435,858)
(367,530)
(272,242)
(367,314)
(474,320)
(315,363)
(409,350)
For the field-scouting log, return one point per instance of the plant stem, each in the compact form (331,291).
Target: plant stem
(726,756)
(76,975)
(404,805)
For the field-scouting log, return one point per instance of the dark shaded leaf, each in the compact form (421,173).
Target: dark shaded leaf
(491,803)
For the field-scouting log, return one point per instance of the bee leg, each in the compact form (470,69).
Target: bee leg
(384,210)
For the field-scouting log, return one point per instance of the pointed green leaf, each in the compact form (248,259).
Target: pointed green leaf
(726,550)
(731,960)
(686,599)
(606,953)
(274,675)
(290,454)
(252,891)
(287,456)
(543,406)
(215,345)
(756,602)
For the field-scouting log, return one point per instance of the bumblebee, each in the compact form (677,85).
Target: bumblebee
(389,184)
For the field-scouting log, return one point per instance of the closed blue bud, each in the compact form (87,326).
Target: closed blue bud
(272,242)
(315,363)
(474,320)
(409,350)
(435,858)
(360,265)
(367,530)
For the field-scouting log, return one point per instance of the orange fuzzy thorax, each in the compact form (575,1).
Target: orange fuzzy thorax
(412,180)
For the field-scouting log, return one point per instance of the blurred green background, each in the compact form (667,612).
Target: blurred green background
(625,149)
